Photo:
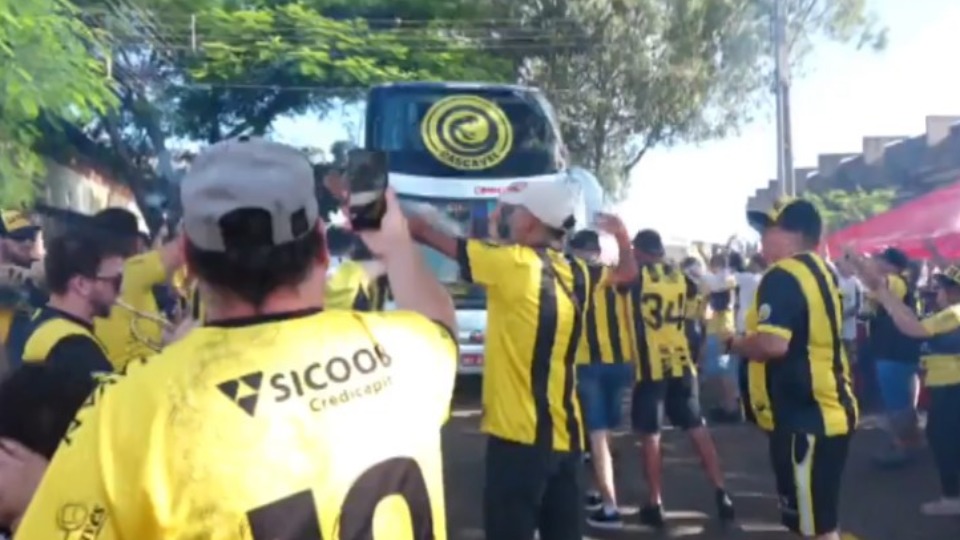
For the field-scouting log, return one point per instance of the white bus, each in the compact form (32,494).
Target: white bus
(457,146)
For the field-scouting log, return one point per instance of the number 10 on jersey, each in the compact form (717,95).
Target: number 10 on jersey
(295,517)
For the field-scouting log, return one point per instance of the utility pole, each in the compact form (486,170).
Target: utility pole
(781,88)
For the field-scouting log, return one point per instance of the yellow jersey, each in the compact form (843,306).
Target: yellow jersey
(59,339)
(125,335)
(608,334)
(720,292)
(284,426)
(810,389)
(661,293)
(940,353)
(535,301)
(351,287)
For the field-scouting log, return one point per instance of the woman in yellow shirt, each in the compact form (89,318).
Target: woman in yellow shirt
(940,359)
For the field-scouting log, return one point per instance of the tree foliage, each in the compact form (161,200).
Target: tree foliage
(840,208)
(629,76)
(252,66)
(45,65)
(624,76)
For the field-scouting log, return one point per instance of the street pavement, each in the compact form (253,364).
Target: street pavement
(877,505)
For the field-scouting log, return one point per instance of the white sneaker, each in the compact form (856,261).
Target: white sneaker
(942,507)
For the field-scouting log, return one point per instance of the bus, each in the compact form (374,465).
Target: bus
(458,146)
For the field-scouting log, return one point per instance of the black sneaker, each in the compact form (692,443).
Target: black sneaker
(593,501)
(652,516)
(725,506)
(603,519)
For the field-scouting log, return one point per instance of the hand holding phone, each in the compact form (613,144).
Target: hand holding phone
(366,176)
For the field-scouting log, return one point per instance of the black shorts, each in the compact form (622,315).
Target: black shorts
(529,488)
(677,398)
(808,469)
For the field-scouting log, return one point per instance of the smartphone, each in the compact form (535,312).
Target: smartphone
(366,176)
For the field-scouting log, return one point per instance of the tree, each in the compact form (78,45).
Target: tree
(252,66)
(46,68)
(628,76)
(207,70)
(841,208)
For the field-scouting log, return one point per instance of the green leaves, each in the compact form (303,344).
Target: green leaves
(842,208)
(46,67)
(254,65)
(651,73)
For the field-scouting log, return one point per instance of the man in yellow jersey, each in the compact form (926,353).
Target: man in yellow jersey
(941,362)
(83,278)
(358,283)
(604,372)
(799,382)
(275,420)
(134,327)
(536,295)
(666,376)
(719,286)
(19,295)
(37,405)
(896,357)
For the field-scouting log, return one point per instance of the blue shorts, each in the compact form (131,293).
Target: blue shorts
(601,389)
(895,380)
(715,361)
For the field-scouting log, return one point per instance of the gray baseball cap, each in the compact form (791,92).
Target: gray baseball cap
(248,173)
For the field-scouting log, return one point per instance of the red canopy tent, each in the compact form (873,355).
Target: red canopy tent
(933,217)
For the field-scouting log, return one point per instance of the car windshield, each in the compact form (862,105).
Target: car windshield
(519,138)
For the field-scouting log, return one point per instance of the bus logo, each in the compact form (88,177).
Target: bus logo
(466,132)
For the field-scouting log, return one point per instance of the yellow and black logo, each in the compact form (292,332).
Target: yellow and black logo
(467,132)
(244,391)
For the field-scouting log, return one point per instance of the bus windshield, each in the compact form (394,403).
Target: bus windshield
(470,216)
(463,132)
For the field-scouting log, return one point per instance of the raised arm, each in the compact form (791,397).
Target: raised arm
(414,286)
(626,270)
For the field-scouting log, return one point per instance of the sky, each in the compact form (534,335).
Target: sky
(699,192)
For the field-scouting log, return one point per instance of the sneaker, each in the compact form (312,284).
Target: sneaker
(593,501)
(724,506)
(652,516)
(605,519)
(942,507)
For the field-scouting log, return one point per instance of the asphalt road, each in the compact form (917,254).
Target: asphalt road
(877,505)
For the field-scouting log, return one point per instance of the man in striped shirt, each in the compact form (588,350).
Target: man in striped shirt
(605,370)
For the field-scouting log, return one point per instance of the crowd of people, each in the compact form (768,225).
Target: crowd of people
(229,382)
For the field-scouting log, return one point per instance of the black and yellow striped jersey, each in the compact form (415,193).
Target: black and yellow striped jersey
(660,296)
(809,390)
(535,302)
(351,287)
(607,329)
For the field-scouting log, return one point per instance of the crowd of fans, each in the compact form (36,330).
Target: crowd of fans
(233,378)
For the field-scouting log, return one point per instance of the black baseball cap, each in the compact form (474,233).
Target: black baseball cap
(17,225)
(895,258)
(793,215)
(585,240)
(648,241)
(950,277)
